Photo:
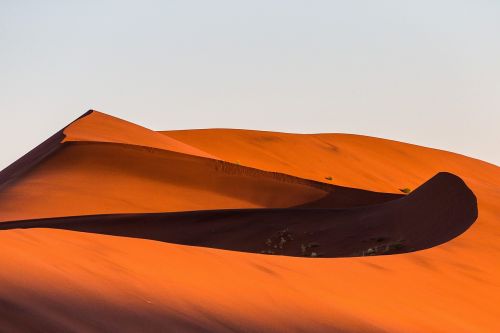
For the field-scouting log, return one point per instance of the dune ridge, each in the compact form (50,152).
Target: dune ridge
(438,211)
(381,165)
(100,127)
(132,178)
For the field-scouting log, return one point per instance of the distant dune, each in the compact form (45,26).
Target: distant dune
(109,226)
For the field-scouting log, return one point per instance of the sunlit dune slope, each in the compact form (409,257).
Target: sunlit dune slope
(350,160)
(100,127)
(62,280)
(96,178)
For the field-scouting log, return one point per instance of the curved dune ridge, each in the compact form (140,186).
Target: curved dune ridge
(435,213)
(95,223)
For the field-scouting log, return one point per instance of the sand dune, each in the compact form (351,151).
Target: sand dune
(125,176)
(99,280)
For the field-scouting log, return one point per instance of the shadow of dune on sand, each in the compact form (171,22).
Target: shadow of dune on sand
(436,212)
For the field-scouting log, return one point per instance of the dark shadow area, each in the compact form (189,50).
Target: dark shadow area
(436,212)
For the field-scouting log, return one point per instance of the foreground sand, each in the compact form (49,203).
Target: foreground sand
(61,280)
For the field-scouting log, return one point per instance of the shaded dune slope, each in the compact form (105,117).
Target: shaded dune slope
(33,157)
(439,210)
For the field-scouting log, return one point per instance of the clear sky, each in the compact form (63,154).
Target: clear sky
(422,71)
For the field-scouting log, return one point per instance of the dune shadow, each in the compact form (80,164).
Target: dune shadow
(436,212)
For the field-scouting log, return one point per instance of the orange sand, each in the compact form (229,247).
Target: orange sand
(351,160)
(100,178)
(55,280)
(101,127)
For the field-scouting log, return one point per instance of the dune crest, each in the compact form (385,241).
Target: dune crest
(349,160)
(96,126)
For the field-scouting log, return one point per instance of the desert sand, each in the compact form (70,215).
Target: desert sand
(109,226)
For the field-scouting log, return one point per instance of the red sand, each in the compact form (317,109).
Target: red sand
(60,280)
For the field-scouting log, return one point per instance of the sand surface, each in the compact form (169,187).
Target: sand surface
(112,278)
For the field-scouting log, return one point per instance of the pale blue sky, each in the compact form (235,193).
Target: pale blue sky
(425,72)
